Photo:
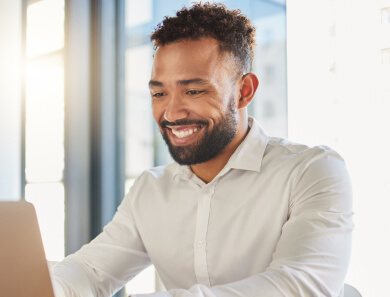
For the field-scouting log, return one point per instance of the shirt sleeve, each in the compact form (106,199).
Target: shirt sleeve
(313,252)
(107,263)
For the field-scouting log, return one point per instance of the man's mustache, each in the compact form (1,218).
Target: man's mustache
(183,122)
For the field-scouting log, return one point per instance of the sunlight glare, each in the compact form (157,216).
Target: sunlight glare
(48,200)
(45,27)
(44,123)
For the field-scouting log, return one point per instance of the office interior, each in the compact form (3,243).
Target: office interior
(76,127)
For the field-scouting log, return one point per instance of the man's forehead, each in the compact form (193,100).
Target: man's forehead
(192,58)
(201,47)
(189,59)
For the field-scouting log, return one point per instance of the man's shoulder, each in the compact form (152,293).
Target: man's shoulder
(278,147)
(289,149)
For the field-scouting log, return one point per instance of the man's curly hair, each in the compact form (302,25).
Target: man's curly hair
(232,29)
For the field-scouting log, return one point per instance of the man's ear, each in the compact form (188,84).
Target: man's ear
(249,84)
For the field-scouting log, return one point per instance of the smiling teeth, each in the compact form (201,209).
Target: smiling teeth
(182,134)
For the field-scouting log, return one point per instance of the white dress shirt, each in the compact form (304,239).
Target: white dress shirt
(276,221)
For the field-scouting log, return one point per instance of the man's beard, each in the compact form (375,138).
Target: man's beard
(212,142)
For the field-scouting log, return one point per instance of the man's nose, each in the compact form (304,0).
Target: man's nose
(176,109)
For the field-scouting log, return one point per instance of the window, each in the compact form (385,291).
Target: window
(10,100)
(386,56)
(44,130)
(385,15)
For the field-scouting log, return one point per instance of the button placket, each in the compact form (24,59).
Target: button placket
(200,252)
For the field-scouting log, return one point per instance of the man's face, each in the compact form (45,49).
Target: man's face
(194,98)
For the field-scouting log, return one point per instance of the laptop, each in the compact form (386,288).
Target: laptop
(23,267)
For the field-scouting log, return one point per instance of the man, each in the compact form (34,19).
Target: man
(239,213)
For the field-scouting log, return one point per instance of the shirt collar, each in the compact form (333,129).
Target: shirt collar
(248,155)
(182,171)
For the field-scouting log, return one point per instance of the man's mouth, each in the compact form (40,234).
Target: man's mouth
(182,132)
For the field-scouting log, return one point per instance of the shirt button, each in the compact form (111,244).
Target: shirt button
(200,243)
(206,191)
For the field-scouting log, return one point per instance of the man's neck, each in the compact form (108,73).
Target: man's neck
(207,171)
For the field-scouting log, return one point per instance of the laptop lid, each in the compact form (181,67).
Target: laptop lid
(23,267)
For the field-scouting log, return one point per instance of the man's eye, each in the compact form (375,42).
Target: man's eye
(158,95)
(194,92)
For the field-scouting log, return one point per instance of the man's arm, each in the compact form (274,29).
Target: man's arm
(105,265)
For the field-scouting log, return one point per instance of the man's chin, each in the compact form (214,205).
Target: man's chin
(181,154)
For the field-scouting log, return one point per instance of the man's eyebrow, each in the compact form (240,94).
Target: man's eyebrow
(155,83)
(187,82)
(184,82)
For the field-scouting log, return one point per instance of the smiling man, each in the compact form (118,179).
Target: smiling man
(199,97)
(239,213)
